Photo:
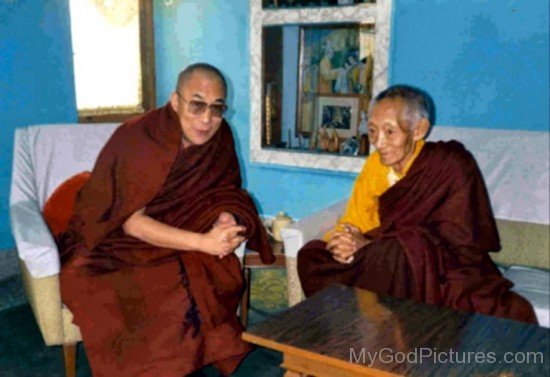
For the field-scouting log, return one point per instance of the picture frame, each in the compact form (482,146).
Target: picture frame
(340,113)
(334,60)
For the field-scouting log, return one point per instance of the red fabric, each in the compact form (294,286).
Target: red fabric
(383,268)
(59,206)
(441,216)
(136,304)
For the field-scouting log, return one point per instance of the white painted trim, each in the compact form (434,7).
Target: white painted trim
(366,13)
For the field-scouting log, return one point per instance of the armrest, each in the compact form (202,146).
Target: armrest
(40,266)
(45,299)
(34,241)
(311,227)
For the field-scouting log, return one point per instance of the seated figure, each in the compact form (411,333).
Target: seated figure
(149,269)
(418,224)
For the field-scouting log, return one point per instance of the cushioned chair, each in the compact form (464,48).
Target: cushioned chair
(515,165)
(522,243)
(45,156)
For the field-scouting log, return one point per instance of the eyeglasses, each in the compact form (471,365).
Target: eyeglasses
(199,107)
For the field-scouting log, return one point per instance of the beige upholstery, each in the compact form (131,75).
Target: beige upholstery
(524,244)
(44,157)
(52,317)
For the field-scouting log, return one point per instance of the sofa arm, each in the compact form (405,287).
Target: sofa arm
(297,235)
(523,243)
(52,317)
(45,300)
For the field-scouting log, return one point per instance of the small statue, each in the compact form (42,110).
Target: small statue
(350,147)
(334,142)
(323,139)
(364,145)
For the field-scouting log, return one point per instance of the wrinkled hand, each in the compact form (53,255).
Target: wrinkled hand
(222,239)
(343,244)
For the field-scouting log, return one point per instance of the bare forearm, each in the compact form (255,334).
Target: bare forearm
(159,234)
(220,241)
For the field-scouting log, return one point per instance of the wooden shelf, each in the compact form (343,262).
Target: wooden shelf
(252,259)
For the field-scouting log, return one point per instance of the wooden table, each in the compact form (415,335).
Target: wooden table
(344,331)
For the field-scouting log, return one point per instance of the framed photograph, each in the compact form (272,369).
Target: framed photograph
(334,59)
(340,113)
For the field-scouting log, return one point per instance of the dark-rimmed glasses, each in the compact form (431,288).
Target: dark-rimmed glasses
(199,107)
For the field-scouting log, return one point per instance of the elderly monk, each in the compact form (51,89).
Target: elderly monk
(418,224)
(148,265)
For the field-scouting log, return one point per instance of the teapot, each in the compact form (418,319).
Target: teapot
(280,221)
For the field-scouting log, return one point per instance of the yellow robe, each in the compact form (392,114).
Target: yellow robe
(372,182)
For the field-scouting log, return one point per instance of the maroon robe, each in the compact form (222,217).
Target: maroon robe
(145,310)
(436,230)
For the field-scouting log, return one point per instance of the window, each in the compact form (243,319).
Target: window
(113,58)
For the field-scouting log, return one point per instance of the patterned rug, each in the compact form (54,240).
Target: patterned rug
(268,291)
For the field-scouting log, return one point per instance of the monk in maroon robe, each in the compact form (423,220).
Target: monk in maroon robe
(419,224)
(148,265)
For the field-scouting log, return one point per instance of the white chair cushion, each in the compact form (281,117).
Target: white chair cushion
(44,157)
(534,285)
(513,163)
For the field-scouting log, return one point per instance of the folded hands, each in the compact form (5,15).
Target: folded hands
(345,242)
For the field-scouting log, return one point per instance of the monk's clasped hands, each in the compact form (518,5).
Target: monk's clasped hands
(345,242)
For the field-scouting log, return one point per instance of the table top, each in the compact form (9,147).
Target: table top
(252,258)
(355,328)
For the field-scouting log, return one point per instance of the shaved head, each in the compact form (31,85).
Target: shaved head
(204,68)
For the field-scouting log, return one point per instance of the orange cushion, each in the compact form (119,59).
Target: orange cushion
(59,206)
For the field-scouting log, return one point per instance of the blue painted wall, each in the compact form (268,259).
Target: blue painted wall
(218,32)
(484,62)
(36,80)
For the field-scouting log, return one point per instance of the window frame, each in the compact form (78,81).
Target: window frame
(148,76)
